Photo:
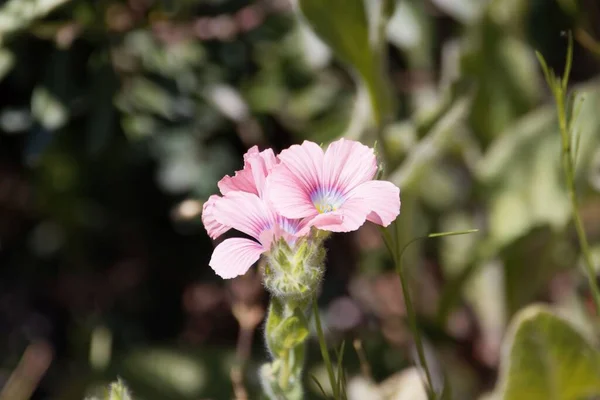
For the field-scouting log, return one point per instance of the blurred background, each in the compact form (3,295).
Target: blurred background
(118,117)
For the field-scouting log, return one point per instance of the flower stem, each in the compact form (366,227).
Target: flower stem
(285,334)
(569,170)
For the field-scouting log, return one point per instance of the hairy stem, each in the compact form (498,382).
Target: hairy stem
(286,333)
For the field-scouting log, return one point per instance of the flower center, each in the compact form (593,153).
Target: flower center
(282,229)
(326,200)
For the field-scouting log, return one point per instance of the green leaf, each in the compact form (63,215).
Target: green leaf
(355,38)
(47,109)
(7,61)
(506,73)
(545,358)
(293,330)
(522,175)
(465,11)
(17,14)
(175,373)
(318,384)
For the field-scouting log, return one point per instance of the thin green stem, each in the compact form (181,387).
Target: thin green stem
(412,320)
(559,89)
(323,346)
(393,246)
(569,170)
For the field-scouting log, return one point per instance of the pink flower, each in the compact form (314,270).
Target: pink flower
(334,189)
(248,213)
(251,179)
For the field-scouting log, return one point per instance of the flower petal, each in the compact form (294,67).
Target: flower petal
(287,195)
(212,226)
(251,178)
(292,182)
(245,212)
(328,222)
(382,198)
(376,201)
(242,181)
(305,161)
(252,151)
(347,164)
(260,165)
(233,257)
(351,216)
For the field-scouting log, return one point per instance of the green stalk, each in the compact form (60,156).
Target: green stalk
(559,90)
(286,333)
(396,252)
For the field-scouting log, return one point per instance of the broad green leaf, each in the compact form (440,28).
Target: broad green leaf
(174,374)
(586,126)
(522,169)
(523,177)
(429,149)
(465,11)
(352,32)
(7,61)
(545,358)
(506,73)
(47,109)
(18,14)
(510,14)
(405,28)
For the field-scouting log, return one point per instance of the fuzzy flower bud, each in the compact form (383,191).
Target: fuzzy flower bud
(294,272)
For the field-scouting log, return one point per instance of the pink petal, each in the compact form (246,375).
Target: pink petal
(252,151)
(260,165)
(376,201)
(292,182)
(242,181)
(305,161)
(353,215)
(233,257)
(267,156)
(347,164)
(382,198)
(212,226)
(245,212)
(251,178)
(328,222)
(287,195)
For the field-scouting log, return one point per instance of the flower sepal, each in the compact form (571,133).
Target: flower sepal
(294,272)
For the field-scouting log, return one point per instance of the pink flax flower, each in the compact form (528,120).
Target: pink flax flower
(251,179)
(333,190)
(249,214)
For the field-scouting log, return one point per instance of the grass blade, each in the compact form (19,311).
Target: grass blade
(323,346)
